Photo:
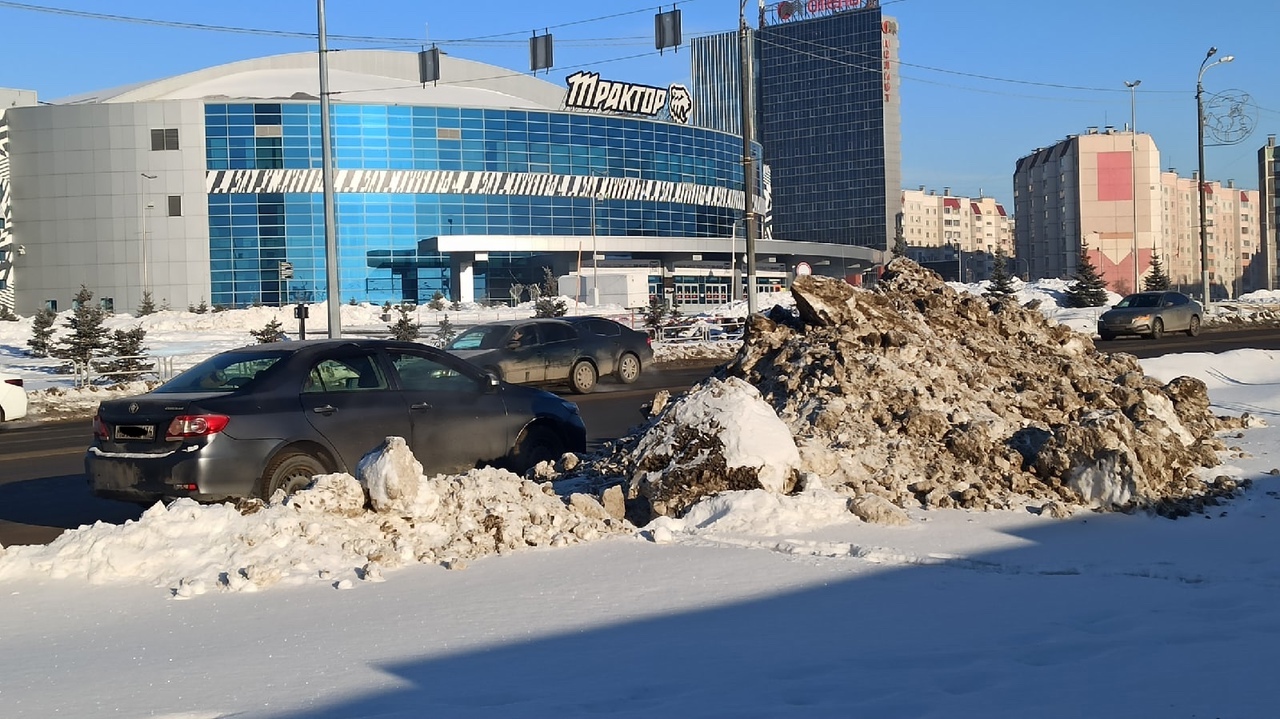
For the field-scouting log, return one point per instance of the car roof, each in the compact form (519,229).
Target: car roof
(315,345)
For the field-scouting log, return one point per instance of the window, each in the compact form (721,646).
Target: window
(346,374)
(164,139)
(422,374)
(175,205)
(51,305)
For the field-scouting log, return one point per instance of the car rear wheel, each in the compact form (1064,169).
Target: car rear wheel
(628,368)
(536,444)
(1157,328)
(583,376)
(1193,329)
(291,471)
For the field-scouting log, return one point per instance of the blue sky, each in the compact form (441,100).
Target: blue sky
(983,83)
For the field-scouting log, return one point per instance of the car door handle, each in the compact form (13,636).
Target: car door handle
(420,406)
(326,410)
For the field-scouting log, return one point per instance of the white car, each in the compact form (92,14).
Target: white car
(13,398)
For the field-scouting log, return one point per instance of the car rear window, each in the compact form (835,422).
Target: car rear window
(482,337)
(223,373)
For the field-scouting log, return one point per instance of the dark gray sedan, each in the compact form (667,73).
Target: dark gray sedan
(1151,314)
(568,350)
(250,421)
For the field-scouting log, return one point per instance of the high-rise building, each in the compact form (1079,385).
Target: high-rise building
(1088,190)
(1264,275)
(827,114)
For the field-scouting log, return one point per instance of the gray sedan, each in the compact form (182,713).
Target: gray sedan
(573,350)
(1151,314)
(267,417)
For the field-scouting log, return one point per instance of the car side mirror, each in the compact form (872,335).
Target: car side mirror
(493,380)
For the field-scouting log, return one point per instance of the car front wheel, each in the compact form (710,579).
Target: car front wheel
(583,376)
(628,368)
(291,471)
(1157,328)
(1193,329)
(537,444)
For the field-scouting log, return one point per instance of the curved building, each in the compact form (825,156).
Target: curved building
(206,187)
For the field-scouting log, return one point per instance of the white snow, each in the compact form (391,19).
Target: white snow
(752,605)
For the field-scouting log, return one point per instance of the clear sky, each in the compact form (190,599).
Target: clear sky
(983,83)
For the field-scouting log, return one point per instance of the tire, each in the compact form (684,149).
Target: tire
(628,368)
(1157,328)
(583,377)
(1193,329)
(536,444)
(291,471)
(1106,336)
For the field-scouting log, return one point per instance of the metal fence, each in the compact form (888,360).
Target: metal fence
(87,373)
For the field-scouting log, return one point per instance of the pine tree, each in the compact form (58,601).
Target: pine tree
(7,315)
(41,342)
(273,331)
(656,314)
(1156,279)
(199,309)
(437,302)
(1089,289)
(1001,284)
(549,307)
(899,243)
(446,331)
(405,329)
(146,306)
(550,288)
(127,348)
(86,337)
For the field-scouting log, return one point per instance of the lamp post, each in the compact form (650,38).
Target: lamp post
(146,269)
(1133,169)
(745,56)
(1204,226)
(595,256)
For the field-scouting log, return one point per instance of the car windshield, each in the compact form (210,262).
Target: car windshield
(226,372)
(483,337)
(1140,301)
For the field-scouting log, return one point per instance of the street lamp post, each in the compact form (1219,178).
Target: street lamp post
(146,269)
(595,256)
(1204,226)
(1133,169)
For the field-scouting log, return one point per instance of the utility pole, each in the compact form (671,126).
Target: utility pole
(326,175)
(1133,170)
(748,159)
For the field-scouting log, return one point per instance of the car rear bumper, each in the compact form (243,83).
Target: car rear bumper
(208,473)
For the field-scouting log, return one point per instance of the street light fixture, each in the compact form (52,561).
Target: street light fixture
(1133,169)
(1204,226)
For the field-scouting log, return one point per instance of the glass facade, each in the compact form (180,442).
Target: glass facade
(829,125)
(382,256)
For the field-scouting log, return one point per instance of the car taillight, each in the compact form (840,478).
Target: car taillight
(99,427)
(16,382)
(196,425)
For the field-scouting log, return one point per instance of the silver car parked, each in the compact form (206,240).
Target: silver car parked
(1151,314)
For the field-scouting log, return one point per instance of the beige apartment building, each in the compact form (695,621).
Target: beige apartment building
(1105,188)
(942,228)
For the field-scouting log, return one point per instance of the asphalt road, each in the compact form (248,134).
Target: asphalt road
(43,490)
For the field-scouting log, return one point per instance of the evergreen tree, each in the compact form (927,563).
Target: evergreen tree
(7,315)
(127,348)
(550,307)
(273,331)
(1088,289)
(656,314)
(199,309)
(437,302)
(41,342)
(146,306)
(446,331)
(1001,284)
(1156,279)
(550,288)
(404,328)
(86,337)
(899,243)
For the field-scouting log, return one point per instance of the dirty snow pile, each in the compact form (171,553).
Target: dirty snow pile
(341,531)
(914,395)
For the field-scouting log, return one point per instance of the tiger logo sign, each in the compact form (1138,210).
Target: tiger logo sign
(679,103)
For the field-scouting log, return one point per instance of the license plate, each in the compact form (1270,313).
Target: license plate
(135,432)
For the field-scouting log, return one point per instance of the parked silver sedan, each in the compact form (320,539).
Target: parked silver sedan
(1151,314)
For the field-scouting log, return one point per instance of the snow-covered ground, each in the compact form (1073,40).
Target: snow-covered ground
(752,605)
